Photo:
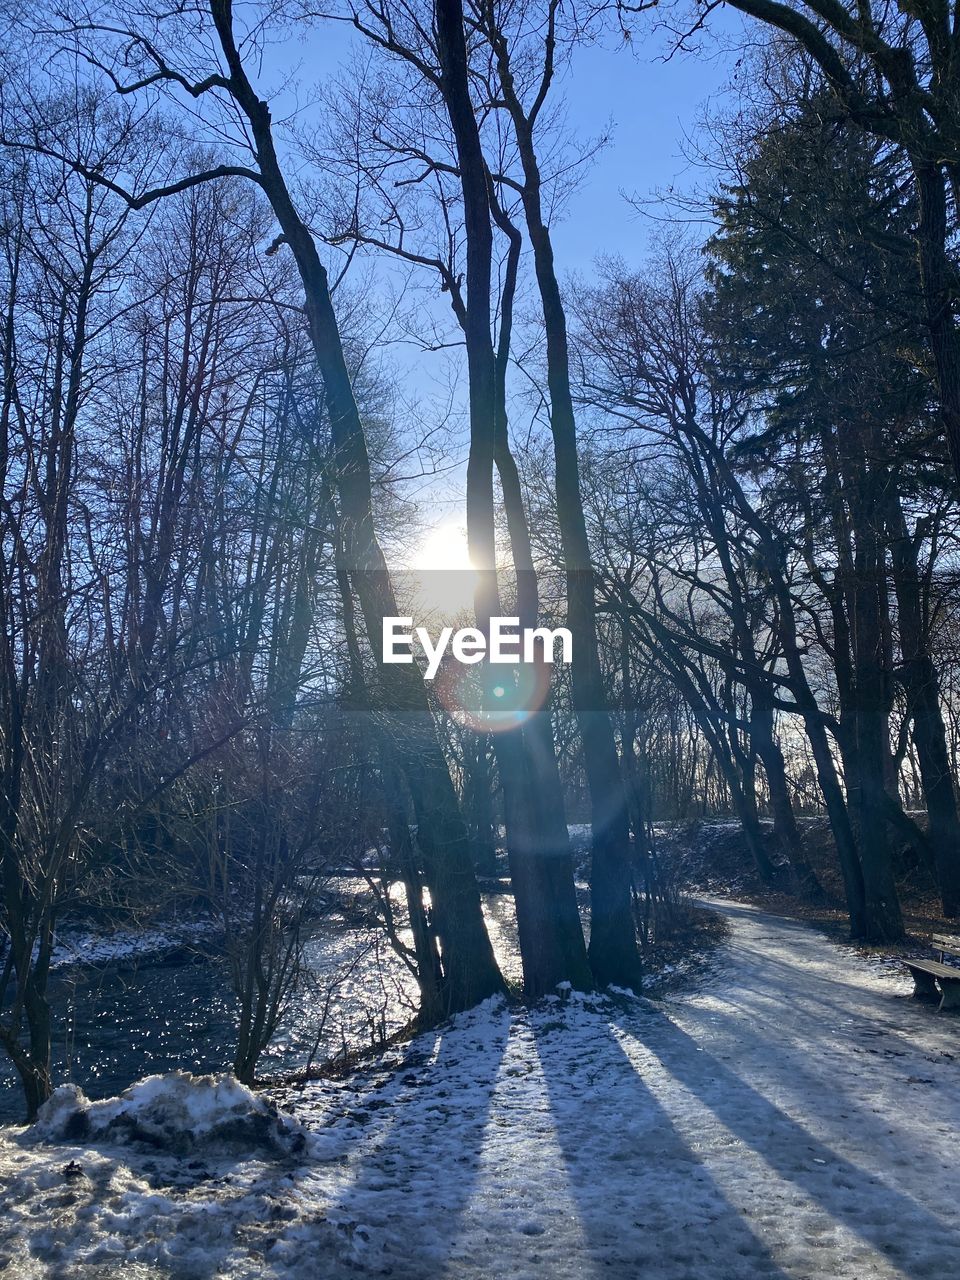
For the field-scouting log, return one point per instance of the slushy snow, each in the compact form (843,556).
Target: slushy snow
(794,1116)
(176,1112)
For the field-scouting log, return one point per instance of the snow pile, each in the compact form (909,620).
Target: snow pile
(795,1116)
(126,946)
(179,1113)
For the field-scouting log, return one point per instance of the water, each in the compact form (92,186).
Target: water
(114,1025)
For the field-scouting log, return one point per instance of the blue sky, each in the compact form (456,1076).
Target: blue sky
(654,105)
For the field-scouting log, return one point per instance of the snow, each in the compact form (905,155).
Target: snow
(120,946)
(794,1116)
(175,1111)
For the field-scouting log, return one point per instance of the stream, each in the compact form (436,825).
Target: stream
(115,1023)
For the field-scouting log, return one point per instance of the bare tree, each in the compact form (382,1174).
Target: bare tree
(135,62)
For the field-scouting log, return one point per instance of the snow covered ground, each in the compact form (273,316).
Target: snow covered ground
(121,946)
(794,1116)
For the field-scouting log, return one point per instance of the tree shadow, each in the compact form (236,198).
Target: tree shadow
(778,1005)
(646,1198)
(887,1220)
(396,1215)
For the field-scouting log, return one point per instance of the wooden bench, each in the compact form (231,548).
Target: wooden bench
(926,975)
(946,946)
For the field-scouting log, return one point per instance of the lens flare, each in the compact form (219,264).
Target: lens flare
(493,698)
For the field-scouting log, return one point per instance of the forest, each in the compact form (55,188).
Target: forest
(290,348)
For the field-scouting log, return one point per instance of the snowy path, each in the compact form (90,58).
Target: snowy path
(794,1116)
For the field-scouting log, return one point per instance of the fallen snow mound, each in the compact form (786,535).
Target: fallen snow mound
(177,1112)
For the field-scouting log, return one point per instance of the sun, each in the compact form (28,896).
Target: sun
(441,579)
(444,549)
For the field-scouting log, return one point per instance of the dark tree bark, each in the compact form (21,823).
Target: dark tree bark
(867,785)
(785,829)
(705,479)
(922,687)
(858,603)
(736,772)
(551,938)
(478,797)
(613,952)
(938,278)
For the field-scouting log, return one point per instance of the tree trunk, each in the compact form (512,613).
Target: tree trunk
(429,966)
(923,694)
(478,801)
(761,698)
(470,970)
(613,952)
(938,278)
(785,829)
(868,744)
(551,938)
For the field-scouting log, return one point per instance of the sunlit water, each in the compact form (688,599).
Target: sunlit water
(116,1024)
